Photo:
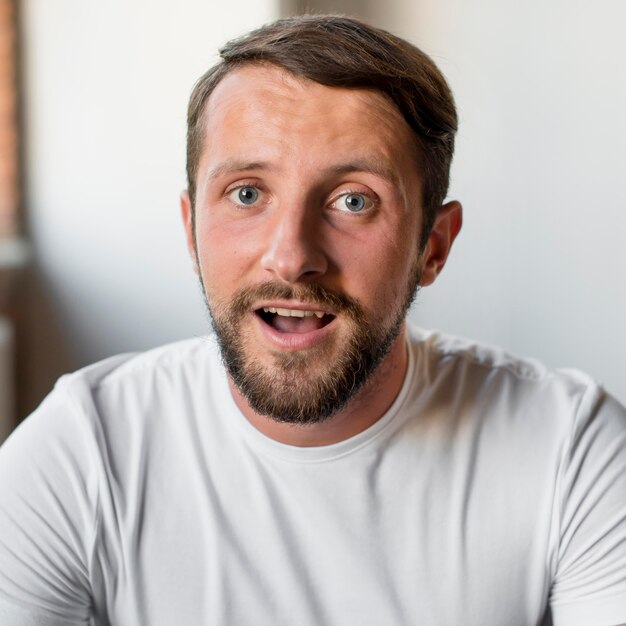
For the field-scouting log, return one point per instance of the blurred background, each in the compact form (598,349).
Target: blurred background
(92,110)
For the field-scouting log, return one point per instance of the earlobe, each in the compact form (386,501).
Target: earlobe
(445,229)
(187,215)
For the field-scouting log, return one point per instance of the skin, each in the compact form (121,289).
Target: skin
(305,146)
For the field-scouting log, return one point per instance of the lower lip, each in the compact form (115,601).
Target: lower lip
(295,341)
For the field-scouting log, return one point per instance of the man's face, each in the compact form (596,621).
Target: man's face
(307,222)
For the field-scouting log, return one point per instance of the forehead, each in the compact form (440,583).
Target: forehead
(255,82)
(269,111)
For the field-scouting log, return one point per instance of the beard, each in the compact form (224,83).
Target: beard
(289,390)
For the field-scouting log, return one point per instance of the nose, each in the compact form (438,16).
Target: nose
(294,250)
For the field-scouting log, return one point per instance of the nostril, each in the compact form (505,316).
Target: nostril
(311,273)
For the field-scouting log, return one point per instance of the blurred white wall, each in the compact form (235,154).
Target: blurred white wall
(539,267)
(106,89)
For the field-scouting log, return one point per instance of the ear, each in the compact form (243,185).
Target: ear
(445,229)
(186,212)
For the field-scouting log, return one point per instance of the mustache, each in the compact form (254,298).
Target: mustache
(310,293)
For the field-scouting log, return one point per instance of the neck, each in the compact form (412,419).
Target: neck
(368,405)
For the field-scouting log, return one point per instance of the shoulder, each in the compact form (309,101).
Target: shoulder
(132,380)
(106,403)
(489,376)
(442,349)
(181,358)
(126,402)
(526,412)
(76,463)
(548,448)
(69,416)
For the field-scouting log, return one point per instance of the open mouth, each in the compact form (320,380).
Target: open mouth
(294,320)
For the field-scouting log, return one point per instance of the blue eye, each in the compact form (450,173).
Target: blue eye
(247,195)
(354,202)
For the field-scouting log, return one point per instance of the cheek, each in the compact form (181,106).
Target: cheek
(378,271)
(225,257)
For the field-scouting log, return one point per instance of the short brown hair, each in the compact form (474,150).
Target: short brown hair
(338,51)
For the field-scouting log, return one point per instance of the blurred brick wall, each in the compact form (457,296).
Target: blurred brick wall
(8,122)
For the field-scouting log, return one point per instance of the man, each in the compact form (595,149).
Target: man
(338,468)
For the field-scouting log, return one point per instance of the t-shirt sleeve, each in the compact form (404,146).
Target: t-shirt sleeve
(48,500)
(590,582)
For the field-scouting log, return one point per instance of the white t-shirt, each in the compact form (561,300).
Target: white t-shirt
(492,493)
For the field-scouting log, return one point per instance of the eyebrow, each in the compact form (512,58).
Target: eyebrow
(375,166)
(233,165)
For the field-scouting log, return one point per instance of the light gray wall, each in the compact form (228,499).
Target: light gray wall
(355,8)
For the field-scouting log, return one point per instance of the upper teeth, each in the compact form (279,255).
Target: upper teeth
(292,312)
